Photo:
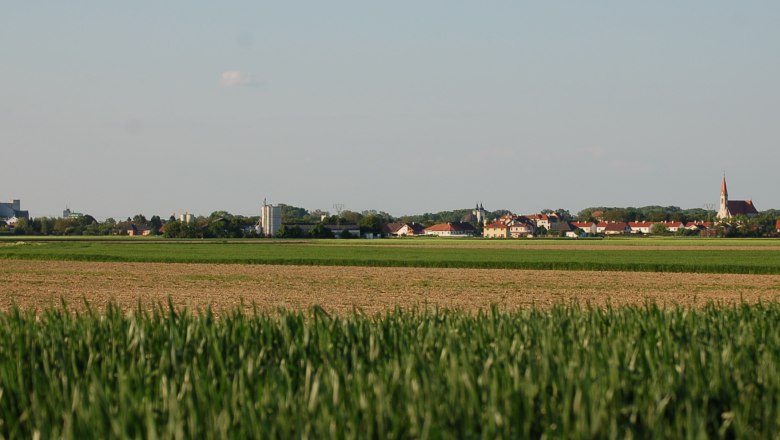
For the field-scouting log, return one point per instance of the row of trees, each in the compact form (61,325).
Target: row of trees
(300,223)
(219,224)
(646,213)
(762,225)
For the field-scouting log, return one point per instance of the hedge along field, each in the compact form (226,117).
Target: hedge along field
(344,253)
(569,372)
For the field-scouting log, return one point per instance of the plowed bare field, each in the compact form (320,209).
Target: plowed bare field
(40,284)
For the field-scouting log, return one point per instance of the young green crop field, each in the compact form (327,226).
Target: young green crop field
(659,255)
(569,372)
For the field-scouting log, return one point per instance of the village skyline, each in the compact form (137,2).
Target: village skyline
(713,207)
(729,218)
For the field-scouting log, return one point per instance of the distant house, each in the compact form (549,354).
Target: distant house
(559,228)
(613,228)
(640,227)
(454,229)
(403,229)
(138,230)
(508,219)
(496,230)
(673,226)
(587,227)
(777,226)
(391,229)
(699,226)
(521,228)
(411,229)
(542,220)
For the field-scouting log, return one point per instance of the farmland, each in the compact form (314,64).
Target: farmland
(389,339)
(699,256)
(43,284)
(569,372)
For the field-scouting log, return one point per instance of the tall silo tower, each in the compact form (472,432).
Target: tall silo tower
(270,219)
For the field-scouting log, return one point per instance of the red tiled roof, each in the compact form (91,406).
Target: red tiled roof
(582,224)
(742,207)
(440,227)
(613,226)
(392,228)
(778,224)
(452,227)
(640,224)
(496,225)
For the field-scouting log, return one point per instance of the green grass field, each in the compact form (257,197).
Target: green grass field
(567,373)
(706,256)
(435,241)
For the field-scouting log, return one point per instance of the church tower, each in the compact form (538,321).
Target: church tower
(480,214)
(723,211)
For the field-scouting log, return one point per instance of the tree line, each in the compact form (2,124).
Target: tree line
(299,222)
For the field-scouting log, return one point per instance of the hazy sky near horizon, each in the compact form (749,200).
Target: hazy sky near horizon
(115,109)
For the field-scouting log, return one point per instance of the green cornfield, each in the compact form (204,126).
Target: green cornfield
(568,372)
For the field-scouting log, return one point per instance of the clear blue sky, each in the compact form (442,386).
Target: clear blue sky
(152,107)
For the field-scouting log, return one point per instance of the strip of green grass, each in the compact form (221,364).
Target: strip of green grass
(705,260)
(566,373)
(434,241)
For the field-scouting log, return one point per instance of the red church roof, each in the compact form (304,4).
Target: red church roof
(742,207)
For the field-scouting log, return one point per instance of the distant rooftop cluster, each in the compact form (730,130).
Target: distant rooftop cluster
(298,222)
(11,212)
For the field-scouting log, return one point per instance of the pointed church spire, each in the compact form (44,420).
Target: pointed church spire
(723,210)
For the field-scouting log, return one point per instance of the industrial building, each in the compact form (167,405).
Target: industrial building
(270,219)
(13,209)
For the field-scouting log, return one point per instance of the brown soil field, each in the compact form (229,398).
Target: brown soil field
(42,284)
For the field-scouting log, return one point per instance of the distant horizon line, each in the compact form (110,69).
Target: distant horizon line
(574,214)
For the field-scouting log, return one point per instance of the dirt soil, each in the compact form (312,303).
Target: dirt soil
(42,284)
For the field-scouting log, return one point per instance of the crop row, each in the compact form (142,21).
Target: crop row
(566,372)
(758,261)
